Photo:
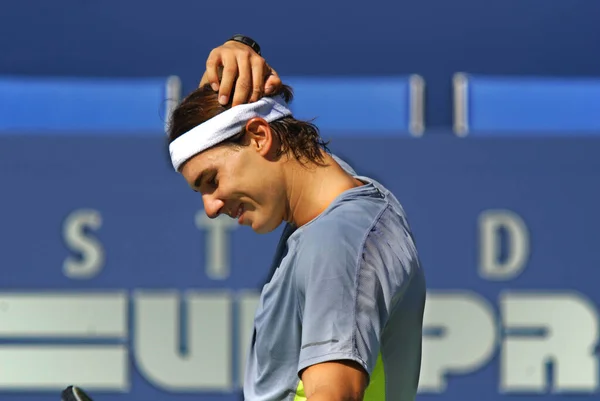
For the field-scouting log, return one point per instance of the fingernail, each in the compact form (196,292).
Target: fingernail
(215,87)
(223,100)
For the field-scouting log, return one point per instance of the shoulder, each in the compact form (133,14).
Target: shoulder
(335,240)
(347,223)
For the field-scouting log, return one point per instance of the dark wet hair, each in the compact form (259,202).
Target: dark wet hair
(301,138)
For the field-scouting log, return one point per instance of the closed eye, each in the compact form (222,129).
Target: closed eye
(212,181)
(201,183)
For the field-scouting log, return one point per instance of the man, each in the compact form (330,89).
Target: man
(341,317)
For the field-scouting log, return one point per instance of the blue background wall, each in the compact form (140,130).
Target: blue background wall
(432,38)
(143,220)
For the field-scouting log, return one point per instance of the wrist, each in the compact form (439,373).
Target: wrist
(251,43)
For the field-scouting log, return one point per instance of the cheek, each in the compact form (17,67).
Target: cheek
(255,179)
(272,190)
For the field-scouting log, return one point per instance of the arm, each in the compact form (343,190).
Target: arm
(342,315)
(335,381)
(241,66)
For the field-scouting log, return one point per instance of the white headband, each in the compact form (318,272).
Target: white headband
(224,126)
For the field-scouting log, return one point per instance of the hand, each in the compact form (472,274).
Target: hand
(241,65)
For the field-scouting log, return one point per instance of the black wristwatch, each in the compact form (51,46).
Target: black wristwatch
(247,41)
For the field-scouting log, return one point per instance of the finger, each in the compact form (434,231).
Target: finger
(204,80)
(243,86)
(230,73)
(273,83)
(258,78)
(212,69)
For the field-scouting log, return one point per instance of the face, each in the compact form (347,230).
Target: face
(240,182)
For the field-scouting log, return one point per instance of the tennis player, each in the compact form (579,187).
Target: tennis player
(341,317)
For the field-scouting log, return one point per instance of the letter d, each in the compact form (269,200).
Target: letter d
(491,267)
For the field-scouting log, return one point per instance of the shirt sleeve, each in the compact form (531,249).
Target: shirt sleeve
(341,300)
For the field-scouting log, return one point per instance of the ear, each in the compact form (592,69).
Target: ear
(260,135)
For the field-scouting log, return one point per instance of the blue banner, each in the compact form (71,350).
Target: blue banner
(535,105)
(113,278)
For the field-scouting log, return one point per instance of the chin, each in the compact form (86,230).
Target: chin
(264,227)
(261,229)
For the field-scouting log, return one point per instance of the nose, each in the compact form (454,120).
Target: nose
(212,206)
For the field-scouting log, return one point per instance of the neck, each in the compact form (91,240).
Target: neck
(312,188)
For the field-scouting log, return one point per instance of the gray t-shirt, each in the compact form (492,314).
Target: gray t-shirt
(346,286)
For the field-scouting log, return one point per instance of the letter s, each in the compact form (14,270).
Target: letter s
(92,254)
